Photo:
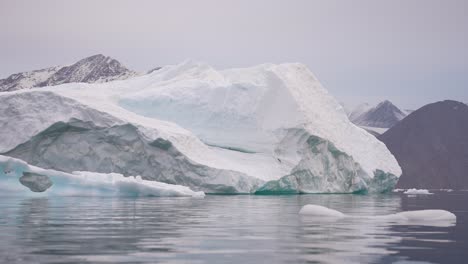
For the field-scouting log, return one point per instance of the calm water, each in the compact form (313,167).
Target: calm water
(226,229)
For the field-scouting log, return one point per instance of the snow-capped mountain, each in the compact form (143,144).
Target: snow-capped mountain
(264,129)
(94,69)
(383,115)
(431,145)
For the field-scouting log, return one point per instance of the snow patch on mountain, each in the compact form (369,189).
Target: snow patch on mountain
(359,110)
(94,69)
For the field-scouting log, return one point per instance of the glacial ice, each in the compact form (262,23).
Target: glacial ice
(420,217)
(320,211)
(264,129)
(19,178)
(417,191)
(61,134)
(325,169)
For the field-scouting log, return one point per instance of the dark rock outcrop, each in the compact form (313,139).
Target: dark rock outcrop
(431,146)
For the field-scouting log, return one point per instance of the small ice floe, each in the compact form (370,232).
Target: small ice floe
(446,190)
(320,211)
(417,191)
(440,218)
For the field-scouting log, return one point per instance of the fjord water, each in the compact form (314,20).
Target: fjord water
(227,229)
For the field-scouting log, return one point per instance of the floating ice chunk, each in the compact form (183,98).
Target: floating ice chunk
(15,173)
(440,218)
(320,211)
(417,191)
(427,215)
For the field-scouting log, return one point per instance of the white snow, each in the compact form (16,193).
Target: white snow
(359,110)
(419,217)
(417,191)
(31,79)
(251,108)
(84,183)
(235,120)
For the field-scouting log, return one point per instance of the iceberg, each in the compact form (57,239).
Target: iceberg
(19,178)
(268,129)
(440,218)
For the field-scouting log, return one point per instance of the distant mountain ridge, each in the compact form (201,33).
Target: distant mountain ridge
(383,115)
(93,69)
(431,146)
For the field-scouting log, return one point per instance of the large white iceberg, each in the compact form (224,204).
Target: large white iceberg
(265,129)
(19,178)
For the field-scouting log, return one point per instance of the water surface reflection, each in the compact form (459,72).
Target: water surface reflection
(226,229)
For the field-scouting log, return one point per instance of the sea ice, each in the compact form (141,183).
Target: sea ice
(320,211)
(417,191)
(420,217)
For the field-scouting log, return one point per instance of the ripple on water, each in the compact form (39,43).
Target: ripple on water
(227,229)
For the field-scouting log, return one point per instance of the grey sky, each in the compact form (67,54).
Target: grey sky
(409,51)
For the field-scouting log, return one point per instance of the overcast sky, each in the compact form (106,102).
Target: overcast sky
(412,52)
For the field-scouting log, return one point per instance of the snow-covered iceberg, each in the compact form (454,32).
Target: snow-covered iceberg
(264,129)
(19,178)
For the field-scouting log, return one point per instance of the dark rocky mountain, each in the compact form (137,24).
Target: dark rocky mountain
(384,115)
(431,146)
(97,68)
